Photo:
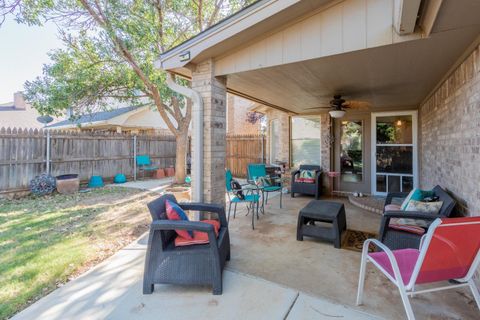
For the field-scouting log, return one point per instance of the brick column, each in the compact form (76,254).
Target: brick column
(214,94)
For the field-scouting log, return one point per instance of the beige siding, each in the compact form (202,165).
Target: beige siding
(347,26)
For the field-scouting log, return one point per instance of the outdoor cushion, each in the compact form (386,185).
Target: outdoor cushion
(406,260)
(417,195)
(392,207)
(199,237)
(307,174)
(430,207)
(407,228)
(413,205)
(305,180)
(174,212)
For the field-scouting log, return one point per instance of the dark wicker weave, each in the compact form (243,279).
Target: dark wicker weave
(194,264)
(395,239)
(314,189)
(322,211)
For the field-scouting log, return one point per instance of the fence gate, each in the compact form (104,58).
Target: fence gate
(242,150)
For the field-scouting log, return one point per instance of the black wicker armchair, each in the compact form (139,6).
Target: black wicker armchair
(191,265)
(307,188)
(396,239)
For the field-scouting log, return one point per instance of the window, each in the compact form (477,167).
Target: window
(351,152)
(394,152)
(305,141)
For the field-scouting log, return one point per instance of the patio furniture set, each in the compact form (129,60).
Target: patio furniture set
(448,248)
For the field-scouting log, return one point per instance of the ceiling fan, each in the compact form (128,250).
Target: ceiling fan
(339,105)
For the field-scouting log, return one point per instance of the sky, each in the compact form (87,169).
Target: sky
(23,52)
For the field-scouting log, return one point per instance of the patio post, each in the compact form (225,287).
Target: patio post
(214,94)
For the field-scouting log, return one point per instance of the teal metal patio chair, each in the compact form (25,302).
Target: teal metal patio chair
(257,170)
(145,164)
(251,197)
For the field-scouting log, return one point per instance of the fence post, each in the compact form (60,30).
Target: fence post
(135,158)
(48,152)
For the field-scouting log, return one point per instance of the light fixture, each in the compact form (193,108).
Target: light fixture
(336,113)
(399,123)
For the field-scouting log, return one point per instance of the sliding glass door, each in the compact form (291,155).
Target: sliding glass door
(394,152)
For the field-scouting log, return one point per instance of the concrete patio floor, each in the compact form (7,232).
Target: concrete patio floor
(270,276)
(271,252)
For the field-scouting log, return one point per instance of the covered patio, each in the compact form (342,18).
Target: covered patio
(412,66)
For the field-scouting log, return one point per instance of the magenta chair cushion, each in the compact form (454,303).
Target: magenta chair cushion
(406,260)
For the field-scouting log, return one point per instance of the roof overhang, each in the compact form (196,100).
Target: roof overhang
(244,26)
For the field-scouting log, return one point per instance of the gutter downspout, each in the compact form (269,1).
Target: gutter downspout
(197,118)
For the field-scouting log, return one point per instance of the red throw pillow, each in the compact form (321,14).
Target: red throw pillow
(174,212)
(407,228)
(199,237)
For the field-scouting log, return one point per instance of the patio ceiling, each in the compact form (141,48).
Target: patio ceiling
(394,76)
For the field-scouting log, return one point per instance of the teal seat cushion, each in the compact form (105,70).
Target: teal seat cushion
(272,188)
(248,198)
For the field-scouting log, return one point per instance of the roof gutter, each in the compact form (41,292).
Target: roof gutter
(197,136)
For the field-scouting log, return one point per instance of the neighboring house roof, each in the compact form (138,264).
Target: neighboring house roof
(133,117)
(95,117)
(18,118)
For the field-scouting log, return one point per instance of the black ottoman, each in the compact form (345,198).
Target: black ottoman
(322,211)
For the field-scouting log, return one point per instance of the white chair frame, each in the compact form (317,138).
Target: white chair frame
(409,289)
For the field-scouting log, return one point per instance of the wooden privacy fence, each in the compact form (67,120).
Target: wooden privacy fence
(242,150)
(24,154)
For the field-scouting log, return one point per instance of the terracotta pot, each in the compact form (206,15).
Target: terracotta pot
(160,173)
(180,193)
(68,183)
(170,172)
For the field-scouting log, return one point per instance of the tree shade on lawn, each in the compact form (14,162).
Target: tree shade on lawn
(46,241)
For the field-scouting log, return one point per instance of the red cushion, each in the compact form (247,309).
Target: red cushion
(305,180)
(408,228)
(199,237)
(174,212)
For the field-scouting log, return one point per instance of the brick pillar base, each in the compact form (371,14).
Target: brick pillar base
(214,93)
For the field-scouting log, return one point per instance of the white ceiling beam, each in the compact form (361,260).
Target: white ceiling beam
(405,16)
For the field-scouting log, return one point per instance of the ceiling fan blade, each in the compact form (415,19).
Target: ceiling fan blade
(359,105)
(318,108)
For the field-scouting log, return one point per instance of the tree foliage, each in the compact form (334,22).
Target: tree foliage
(110,49)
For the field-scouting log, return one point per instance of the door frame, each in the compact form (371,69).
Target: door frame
(365,185)
(373,135)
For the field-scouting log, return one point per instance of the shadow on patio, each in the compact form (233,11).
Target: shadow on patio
(271,276)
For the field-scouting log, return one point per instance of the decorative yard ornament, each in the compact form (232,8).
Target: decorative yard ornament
(42,184)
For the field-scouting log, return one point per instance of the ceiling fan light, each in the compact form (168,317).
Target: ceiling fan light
(336,113)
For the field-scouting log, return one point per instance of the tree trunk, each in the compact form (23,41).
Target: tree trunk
(181,156)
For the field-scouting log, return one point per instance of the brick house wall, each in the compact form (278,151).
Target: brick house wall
(237,109)
(450,136)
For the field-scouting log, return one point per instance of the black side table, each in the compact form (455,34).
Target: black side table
(322,211)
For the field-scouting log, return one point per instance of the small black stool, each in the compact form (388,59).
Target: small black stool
(322,211)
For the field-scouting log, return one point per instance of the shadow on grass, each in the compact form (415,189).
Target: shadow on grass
(44,240)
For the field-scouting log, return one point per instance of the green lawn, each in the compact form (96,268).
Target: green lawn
(46,241)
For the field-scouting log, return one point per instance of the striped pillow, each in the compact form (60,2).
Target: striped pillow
(407,228)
